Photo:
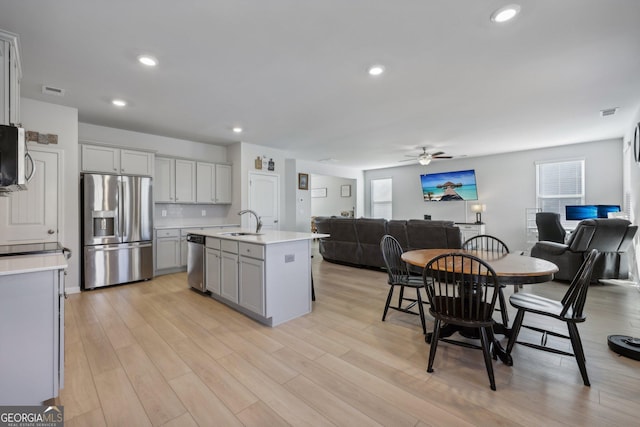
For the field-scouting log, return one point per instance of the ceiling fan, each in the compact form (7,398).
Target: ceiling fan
(425,158)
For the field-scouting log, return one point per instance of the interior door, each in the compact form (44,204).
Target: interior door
(264,199)
(32,215)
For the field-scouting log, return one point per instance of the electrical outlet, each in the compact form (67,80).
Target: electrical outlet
(204,212)
(164,212)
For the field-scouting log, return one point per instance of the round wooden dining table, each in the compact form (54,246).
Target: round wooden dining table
(511,269)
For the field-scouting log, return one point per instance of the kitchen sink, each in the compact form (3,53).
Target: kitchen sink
(241,233)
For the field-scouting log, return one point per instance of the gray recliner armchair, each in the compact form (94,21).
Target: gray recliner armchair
(550,228)
(610,236)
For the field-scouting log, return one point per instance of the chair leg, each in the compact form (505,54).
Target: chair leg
(421,310)
(486,350)
(503,307)
(401,296)
(434,344)
(576,343)
(515,330)
(386,306)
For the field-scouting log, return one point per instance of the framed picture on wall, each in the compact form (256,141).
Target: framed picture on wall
(345,191)
(303,181)
(319,192)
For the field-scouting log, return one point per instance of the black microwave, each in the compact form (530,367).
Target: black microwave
(12,159)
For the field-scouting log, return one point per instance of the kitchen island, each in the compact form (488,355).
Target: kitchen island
(31,328)
(266,276)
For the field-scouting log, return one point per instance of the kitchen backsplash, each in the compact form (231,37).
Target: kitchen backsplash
(179,215)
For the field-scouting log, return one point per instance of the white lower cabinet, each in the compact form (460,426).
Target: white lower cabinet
(31,337)
(168,249)
(213,265)
(251,280)
(229,270)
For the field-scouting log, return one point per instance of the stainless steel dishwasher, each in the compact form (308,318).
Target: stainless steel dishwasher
(195,261)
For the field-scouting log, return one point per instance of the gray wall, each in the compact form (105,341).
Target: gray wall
(334,203)
(506,184)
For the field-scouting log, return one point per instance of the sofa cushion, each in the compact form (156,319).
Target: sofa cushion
(370,231)
(427,234)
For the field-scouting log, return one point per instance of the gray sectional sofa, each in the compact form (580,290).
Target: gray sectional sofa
(357,241)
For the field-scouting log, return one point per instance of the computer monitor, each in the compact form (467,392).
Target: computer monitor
(603,210)
(580,212)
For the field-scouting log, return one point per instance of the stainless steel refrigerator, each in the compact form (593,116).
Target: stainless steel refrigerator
(117,229)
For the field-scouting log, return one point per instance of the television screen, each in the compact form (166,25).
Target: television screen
(580,212)
(444,186)
(603,210)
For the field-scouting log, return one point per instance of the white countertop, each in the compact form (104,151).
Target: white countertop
(266,237)
(31,263)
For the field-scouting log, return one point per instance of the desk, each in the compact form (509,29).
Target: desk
(511,269)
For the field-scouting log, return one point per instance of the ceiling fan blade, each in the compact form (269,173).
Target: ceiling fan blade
(442,157)
(409,160)
(437,153)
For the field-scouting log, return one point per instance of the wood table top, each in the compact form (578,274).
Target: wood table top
(510,268)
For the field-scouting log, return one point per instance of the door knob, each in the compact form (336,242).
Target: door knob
(275,221)
(50,231)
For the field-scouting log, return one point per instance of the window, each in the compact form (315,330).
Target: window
(559,184)
(381,198)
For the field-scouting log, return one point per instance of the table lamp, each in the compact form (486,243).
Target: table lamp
(478,209)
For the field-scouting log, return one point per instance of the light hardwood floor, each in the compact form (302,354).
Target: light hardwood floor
(158,353)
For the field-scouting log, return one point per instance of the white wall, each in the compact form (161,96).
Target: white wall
(333,203)
(160,144)
(63,121)
(506,184)
(295,204)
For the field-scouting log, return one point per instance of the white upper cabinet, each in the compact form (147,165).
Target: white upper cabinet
(213,183)
(97,158)
(185,181)
(223,184)
(164,187)
(10,76)
(175,181)
(136,162)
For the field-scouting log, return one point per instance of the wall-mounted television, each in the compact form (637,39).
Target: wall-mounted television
(580,212)
(447,186)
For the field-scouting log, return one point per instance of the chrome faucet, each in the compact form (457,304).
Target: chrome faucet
(258,222)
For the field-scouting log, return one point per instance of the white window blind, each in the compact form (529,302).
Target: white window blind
(559,184)
(381,198)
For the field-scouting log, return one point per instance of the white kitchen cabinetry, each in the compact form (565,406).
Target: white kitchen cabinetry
(469,230)
(184,248)
(213,183)
(32,335)
(168,249)
(97,158)
(175,181)
(251,277)
(10,76)
(213,265)
(229,270)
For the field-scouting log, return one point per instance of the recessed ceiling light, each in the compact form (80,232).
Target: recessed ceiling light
(506,13)
(376,70)
(119,103)
(237,129)
(147,60)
